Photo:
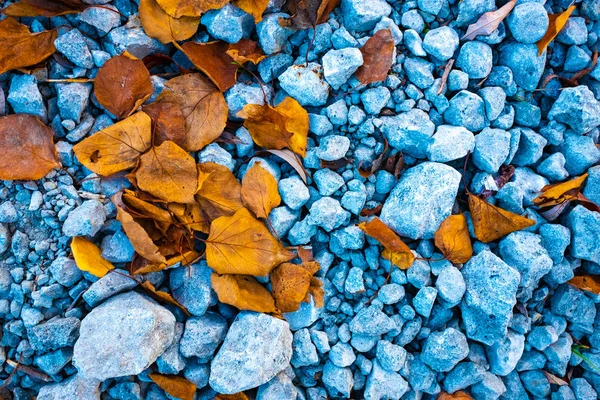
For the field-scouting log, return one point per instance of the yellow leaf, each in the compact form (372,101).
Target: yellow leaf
(162,296)
(191,216)
(395,249)
(556,24)
(256,8)
(560,192)
(259,191)
(142,209)
(190,8)
(160,25)
(175,386)
(220,192)
(20,48)
(88,257)
(589,283)
(453,239)
(185,258)
(241,244)
(290,285)
(243,292)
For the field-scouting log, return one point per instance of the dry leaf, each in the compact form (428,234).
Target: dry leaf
(142,209)
(395,249)
(203,107)
(236,396)
(116,147)
(488,22)
(555,380)
(175,386)
(378,57)
(212,59)
(243,292)
(292,159)
(282,126)
(246,50)
(122,85)
(590,283)
(88,257)
(169,173)
(219,193)
(190,8)
(44,8)
(259,191)
(190,216)
(556,24)
(162,296)
(290,284)
(241,244)
(145,267)
(256,8)
(28,152)
(168,123)
(460,395)
(20,48)
(160,25)
(453,239)
(309,13)
(491,222)
(560,192)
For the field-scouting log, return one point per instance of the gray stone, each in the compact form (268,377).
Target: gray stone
(278,388)
(85,220)
(113,283)
(74,47)
(203,335)
(76,387)
(54,334)
(305,84)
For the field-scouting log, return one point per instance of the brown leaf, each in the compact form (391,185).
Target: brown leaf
(116,147)
(212,59)
(241,244)
(246,50)
(555,380)
(309,13)
(243,292)
(237,396)
(88,257)
(589,283)
(175,386)
(219,193)
(460,395)
(560,192)
(44,8)
(378,57)
(146,267)
(290,284)
(453,239)
(202,105)
(168,123)
(556,24)
(160,25)
(162,296)
(376,164)
(143,209)
(395,249)
(366,212)
(256,8)
(489,22)
(259,191)
(122,85)
(282,126)
(445,75)
(491,222)
(293,160)
(20,48)
(28,152)
(190,8)
(169,173)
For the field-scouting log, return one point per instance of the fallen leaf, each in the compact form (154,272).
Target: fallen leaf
(489,22)
(175,386)
(160,25)
(203,107)
(143,209)
(241,244)
(182,259)
(491,222)
(246,50)
(460,395)
(282,126)
(122,85)
(212,59)
(259,191)
(589,283)
(28,152)
(44,8)
(290,284)
(309,13)
(293,160)
(190,216)
(560,192)
(395,249)
(190,8)
(116,147)
(376,164)
(555,380)
(168,123)
(505,174)
(243,292)
(256,8)
(219,193)
(88,257)
(169,173)
(378,57)
(556,24)
(453,239)
(236,396)
(162,296)
(20,48)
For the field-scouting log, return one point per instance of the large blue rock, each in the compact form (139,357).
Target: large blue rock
(339,65)
(305,83)
(191,287)
(203,335)
(384,384)
(25,98)
(506,353)
(363,15)
(228,23)
(585,233)
(528,22)
(578,108)
(73,98)
(74,47)
(466,109)
(527,67)
(409,132)
(443,350)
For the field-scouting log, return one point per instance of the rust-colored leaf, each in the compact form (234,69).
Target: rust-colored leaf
(491,223)
(182,259)
(88,257)
(309,13)
(395,249)
(460,395)
(122,85)
(246,50)
(143,209)
(236,396)
(291,283)
(28,152)
(168,123)
(560,192)
(162,296)
(212,59)
(556,24)
(259,191)
(453,239)
(175,386)
(589,283)
(190,8)
(219,193)
(243,292)
(241,244)
(378,57)
(160,25)
(489,22)
(44,8)
(256,8)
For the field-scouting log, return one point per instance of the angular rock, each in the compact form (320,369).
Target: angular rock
(443,350)
(506,353)
(578,108)
(523,60)
(305,84)
(585,231)
(76,387)
(409,132)
(203,335)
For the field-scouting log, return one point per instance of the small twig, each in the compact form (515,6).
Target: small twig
(29,371)
(69,80)
(447,70)
(13,372)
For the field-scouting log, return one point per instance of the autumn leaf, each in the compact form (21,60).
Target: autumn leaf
(291,283)
(395,249)
(175,386)
(460,395)
(145,267)
(169,173)
(246,50)
(168,123)
(212,59)
(116,147)
(556,24)
(236,396)
(20,48)
(453,239)
(309,13)
(122,85)
(489,22)
(219,193)
(282,126)
(259,191)
(378,57)
(88,257)
(160,25)
(162,296)
(241,244)
(142,209)
(589,283)
(190,216)
(243,292)
(28,152)
(491,222)
(190,8)
(293,160)
(555,380)
(203,107)
(44,8)
(256,8)
(560,192)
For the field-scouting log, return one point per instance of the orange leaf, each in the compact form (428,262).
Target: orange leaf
(168,123)
(590,283)
(88,257)
(243,292)
(44,8)
(175,386)
(290,285)
(212,59)
(560,192)
(190,8)
(453,239)
(378,57)
(241,244)
(142,209)
(246,50)
(460,395)
(556,24)
(220,192)
(395,249)
(20,48)
(160,25)
(282,126)
(169,173)
(145,266)
(122,85)
(28,152)
(259,191)
(256,8)
(236,396)
(191,216)
(491,222)
(162,296)
(116,147)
